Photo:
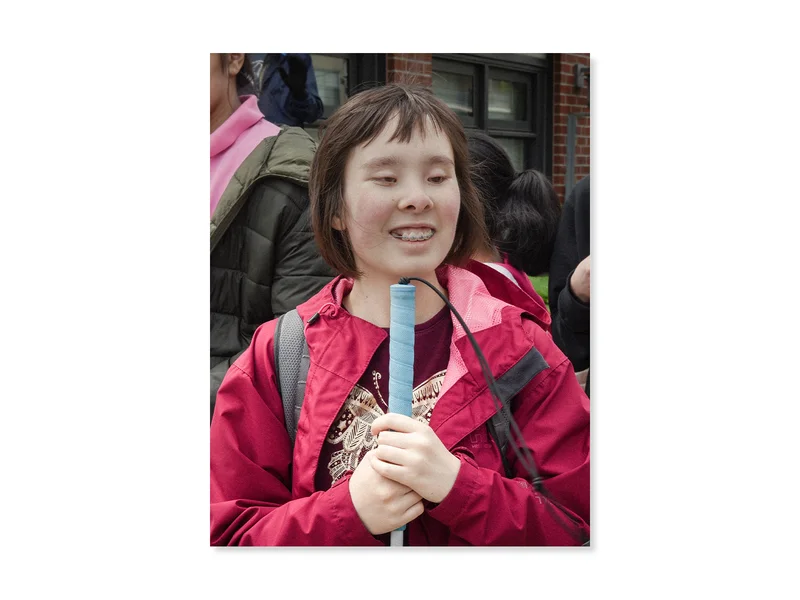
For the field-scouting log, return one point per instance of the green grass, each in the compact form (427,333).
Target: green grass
(540,285)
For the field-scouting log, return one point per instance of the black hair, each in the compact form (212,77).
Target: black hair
(245,79)
(522,210)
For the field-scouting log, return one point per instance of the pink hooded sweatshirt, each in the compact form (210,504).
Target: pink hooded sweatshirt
(233,141)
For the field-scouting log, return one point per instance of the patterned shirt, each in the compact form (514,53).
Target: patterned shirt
(350,438)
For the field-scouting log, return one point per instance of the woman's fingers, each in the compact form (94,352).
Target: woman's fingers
(413,512)
(391,454)
(389,470)
(396,422)
(393,438)
(403,503)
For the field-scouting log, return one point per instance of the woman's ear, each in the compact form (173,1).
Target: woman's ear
(235,62)
(338,225)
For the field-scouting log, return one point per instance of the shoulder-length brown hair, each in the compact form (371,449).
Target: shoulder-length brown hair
(359,121)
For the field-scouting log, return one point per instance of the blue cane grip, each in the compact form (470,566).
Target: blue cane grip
(401,350)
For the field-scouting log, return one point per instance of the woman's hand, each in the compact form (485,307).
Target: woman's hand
(410,453)
(382,505)
(580,280)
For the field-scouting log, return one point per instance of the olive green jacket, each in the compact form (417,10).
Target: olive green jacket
(264,261)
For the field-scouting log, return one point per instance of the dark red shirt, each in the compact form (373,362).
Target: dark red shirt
(350,437)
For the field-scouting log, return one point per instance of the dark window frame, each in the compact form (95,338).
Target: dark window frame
(460,68)
(537,130)
(514,77)
(363,71)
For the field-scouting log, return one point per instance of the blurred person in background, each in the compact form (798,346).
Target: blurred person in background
(287,88)
(570,270)
(264,260)
(521,211)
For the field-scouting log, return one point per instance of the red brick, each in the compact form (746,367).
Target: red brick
(397,64)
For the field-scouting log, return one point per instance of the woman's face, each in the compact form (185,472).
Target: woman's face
(401,204)
(219,83)
(224,99)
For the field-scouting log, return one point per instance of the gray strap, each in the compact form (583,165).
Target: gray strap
(509,385)
(291,363)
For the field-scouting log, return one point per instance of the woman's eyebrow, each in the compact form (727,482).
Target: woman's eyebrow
(381,161)
(440,158)
(393,161)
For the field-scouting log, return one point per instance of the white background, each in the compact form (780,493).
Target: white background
(104,422)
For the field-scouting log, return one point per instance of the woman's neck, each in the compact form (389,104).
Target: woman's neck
(224,110)
(370,299)
(487,256)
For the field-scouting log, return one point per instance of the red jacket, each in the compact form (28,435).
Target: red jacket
(263,494)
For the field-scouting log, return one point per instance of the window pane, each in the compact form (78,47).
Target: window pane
(456,90)
(507,101)
(331,74)
(515,148)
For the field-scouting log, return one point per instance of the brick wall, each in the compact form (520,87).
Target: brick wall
(409,68)
(567,99)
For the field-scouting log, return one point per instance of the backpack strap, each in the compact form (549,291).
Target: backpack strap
(509,385)
(500,430)
(292,362)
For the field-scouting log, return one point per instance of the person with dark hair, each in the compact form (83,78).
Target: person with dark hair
(570,269)
(522,212)
(391,197)
(264,261)
(287,88)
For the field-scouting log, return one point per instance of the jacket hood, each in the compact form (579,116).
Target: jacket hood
(504,289)
(480,302)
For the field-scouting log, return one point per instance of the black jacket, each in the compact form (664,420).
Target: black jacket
(264,261)
(570,316)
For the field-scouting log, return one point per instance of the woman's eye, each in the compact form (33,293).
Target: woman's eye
(385,179)
(438,179)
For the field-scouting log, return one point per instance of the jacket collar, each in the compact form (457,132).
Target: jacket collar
(242,119)
(467,292)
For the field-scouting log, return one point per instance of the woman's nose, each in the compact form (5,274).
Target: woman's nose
(416,199)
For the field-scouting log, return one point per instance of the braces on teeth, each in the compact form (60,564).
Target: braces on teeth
(414,237)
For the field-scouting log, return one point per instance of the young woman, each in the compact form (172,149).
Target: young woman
(391,197)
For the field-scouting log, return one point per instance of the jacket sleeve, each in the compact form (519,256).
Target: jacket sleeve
(486,508)
(218,372)
(570,316)
(251,455)
(299,270)
(571,327)
(310,108)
